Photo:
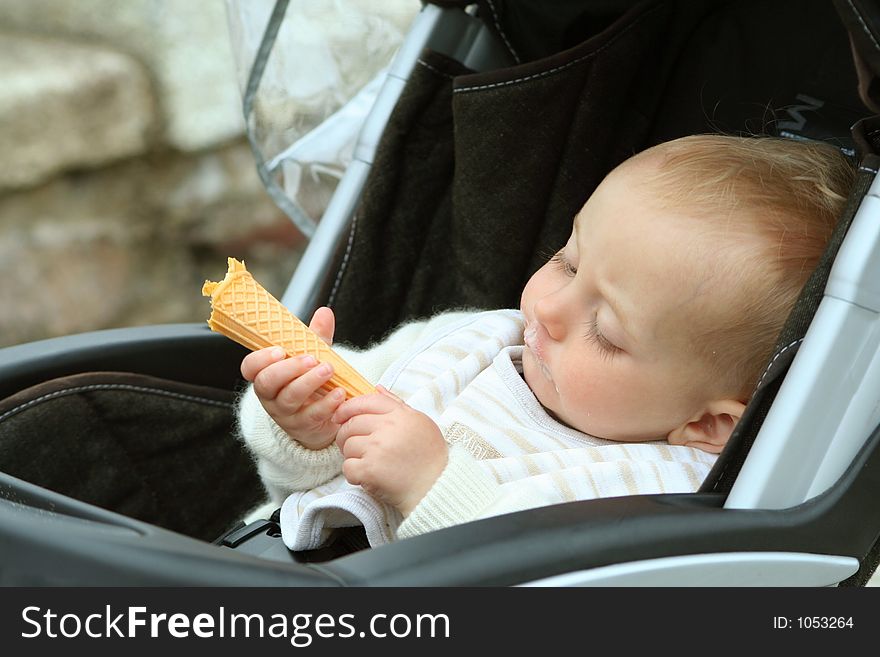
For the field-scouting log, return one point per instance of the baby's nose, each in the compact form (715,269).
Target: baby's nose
(550,313)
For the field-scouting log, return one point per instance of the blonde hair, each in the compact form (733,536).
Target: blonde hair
(773,203)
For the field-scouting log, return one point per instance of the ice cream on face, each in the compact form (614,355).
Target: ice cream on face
(242,310)
(533,344)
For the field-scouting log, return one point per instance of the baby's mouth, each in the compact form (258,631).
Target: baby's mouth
(533,343)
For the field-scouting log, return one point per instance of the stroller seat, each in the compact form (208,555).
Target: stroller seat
(481,98)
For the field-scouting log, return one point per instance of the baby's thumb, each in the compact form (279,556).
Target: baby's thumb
(324,324)
(385,391)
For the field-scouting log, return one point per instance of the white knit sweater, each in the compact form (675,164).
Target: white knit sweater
(506,452)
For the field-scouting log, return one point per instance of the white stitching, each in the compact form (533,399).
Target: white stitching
(501,32)
(863,24)
(435,70)
(770,365)
(344,265)
(525,79)
(868,169)
(109,386)
(561,67)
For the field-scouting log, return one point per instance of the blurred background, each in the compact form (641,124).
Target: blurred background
(126,178)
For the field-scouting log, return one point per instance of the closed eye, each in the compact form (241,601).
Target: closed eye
(607,348)
(563,265)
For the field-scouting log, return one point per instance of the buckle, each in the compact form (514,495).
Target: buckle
(242,532)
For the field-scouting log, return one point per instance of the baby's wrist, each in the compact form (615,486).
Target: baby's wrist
(315,445)
(407,506)
(432,472)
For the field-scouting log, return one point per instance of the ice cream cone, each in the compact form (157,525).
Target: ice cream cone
(241,309)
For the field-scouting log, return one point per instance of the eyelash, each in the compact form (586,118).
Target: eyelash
(563,265)
(608,349)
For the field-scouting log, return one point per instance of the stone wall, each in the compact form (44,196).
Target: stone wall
(182,45)
(125,176)
(132,243)
(125,180)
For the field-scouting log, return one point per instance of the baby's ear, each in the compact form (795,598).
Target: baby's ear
(710,429)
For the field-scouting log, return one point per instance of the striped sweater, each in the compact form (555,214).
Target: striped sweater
(506,452)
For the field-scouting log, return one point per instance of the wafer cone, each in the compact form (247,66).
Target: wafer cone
(241,309)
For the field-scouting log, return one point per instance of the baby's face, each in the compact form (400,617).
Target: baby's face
(610,319)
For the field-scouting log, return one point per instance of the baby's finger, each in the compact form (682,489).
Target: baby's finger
(359,425)
(295,393)
(355,447)
(272,379)
(256,361)
(353,471)
(321,410)
(375,403)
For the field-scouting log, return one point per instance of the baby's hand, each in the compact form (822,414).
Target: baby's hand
(288,388)
(395,452)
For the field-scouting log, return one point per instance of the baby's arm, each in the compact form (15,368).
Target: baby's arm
(283,464)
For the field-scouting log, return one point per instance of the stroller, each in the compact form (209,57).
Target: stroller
(109,441)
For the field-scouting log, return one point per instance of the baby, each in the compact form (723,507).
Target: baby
(625,370)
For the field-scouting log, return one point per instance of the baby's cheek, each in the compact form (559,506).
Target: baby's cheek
(578,380)
(597,397)
(579,391)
